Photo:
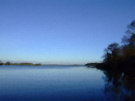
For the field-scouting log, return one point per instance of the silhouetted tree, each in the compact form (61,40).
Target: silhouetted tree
(111,52)
(128,41)
(1,63)
(122,57)
(7,63)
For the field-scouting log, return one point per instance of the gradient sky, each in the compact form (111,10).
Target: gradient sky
(61,31)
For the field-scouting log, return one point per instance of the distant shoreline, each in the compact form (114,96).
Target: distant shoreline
(37,64)
(21,64)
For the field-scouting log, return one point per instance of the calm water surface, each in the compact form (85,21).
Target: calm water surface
(51,83)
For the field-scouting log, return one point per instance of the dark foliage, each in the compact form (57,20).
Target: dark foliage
(1,63)
(7,63)
(91,64)
(22,64)
(121,57)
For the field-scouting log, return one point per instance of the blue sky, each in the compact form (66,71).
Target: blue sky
(61,31)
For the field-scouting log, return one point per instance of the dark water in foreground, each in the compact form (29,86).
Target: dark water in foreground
(55,83)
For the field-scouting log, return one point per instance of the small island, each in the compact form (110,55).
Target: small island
(21,64)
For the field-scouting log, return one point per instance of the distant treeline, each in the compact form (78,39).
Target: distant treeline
(9,63)
(91,64)
(121,57)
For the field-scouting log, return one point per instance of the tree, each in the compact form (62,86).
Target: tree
(7,63)
(129,41)
(111,52)
(1,63)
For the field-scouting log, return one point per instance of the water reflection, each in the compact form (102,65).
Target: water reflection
(119,86)
(64,84)
(45,83)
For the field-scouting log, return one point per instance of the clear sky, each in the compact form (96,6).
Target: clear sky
(61,31)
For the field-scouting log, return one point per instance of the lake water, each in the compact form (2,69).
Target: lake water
(51,83)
